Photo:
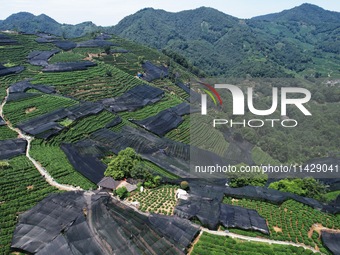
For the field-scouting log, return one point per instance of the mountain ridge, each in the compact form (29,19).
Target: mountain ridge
(224,45)
(29,23)
(282,44)
(295,14)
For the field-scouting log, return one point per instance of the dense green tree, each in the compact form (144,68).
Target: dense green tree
(141,171)
(4,165)
(122,192)
(247,181)
(122,165)
(184,185)
(107,50)
(129,164)
(153,182)
(307,187)
(157,180)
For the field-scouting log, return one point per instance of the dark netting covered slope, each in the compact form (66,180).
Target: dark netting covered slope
(40,58)
(46,125)
(161,123)
(207,211)
(89,166)
(184,87)
(23,86)
(278,197)
(179,230)
(113,51)
(6,40)
(55,226)
(238,217)
(114,122)
(104,141)
(94,43)
(12,148)
(153,72)
(68,66)
(134,99)
(184,109)
(92,223)
(20,96)
(142,141)
(103,36)
(134,233)
(65,45)
(2,122)
(46,38)
(200,188)
(205,204)
(10,70)
(166,120)
(331,241)
(170,155)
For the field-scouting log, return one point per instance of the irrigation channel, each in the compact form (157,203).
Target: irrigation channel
(59,186)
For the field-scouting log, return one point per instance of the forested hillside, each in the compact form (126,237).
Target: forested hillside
(302,41)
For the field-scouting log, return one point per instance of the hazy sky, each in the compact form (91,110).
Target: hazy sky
(110,12)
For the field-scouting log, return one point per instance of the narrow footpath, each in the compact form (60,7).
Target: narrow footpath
(37,165)
(257,239)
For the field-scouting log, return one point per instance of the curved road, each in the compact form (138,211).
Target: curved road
(37,165)
(257,239)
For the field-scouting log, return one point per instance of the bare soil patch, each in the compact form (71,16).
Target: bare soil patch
(277,229)
(31,109)
(234,200)
(318,228)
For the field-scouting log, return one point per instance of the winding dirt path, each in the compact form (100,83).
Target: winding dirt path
(37,165)
(257,239)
